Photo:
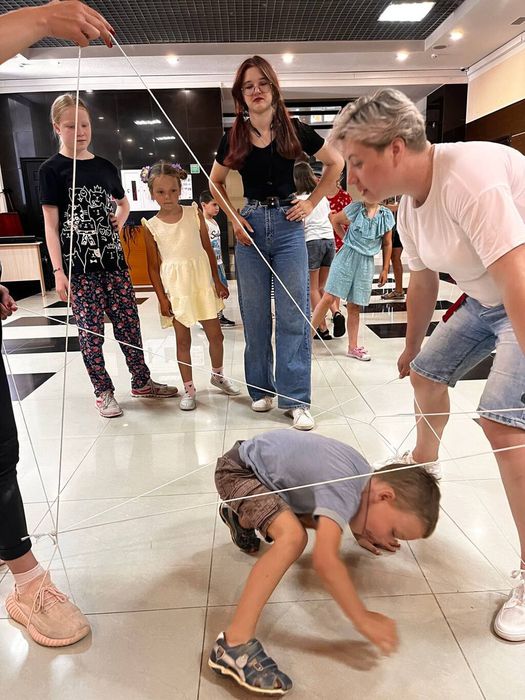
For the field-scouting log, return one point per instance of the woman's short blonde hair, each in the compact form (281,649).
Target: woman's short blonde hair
(376,120)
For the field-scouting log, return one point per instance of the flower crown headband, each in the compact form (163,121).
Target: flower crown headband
(145,173)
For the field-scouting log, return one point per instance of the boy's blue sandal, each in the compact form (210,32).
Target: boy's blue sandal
(249,665)
(245,539)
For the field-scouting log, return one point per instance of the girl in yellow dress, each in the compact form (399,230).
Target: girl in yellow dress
(183,271)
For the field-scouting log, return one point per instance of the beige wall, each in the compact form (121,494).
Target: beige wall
(497,87)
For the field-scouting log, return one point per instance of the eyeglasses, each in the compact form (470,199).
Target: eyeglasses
(262,86)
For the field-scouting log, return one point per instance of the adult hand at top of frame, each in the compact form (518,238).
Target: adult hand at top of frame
(71,19)
(403,363)
(378,629)
(240,226)
(300,210)
(7,303)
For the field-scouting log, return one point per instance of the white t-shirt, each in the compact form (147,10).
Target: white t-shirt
(317,224)
(473,215)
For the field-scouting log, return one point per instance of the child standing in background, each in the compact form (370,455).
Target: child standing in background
(210,209)
(183,271)
(338,199)
(100,280)
(352,272)
(319,236)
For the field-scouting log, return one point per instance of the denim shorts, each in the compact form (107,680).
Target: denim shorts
(469,335)
(235,480)
(320,253)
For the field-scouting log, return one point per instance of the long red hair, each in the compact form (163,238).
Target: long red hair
(240,145)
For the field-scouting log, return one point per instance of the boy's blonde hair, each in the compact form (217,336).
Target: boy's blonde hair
(416,491)
(376,120)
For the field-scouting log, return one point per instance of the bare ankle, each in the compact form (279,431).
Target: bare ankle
(234,639)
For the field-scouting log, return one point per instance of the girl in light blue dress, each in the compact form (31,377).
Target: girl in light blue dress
(352,271)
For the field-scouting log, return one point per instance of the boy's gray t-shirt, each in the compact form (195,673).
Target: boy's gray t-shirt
(285,458)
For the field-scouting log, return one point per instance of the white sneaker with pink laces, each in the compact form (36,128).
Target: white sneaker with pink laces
(359,353)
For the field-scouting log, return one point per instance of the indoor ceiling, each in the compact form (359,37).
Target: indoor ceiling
(225,21)
(339,48)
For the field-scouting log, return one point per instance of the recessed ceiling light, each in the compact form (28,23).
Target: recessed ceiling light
(146,122)
(172,155)
(288,57)
(129,140)
(402,55)
(172,59)
(141,148)
(406,11)
(101,119)
(165,138)
(186,91)
(456,35)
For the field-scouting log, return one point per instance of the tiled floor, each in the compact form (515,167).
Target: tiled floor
(159,579)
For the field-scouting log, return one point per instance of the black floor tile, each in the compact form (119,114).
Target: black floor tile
(57,305)
(39,345)
(26,383)
(381,290)
(395,330)
(141,300)
(390,306)
(33,321)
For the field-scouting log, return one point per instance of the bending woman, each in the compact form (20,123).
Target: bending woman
(463,213)
(263,145)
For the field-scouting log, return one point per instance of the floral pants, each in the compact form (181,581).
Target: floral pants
(94,294)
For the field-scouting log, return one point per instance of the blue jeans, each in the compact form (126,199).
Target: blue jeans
(282,244)
(459,344)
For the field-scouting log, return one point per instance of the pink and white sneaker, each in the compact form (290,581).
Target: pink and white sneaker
(155,390)
(359,353)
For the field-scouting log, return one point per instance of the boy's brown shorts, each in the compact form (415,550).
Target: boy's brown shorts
(235,480)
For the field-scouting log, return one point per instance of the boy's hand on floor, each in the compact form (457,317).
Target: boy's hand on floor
(391,545)
(380,630)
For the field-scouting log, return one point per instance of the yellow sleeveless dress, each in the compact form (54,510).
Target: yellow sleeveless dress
(185,269)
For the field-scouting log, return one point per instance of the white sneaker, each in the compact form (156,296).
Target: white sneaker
(188,402)
(263,405)
(302,418)
(224,384)
(433,468)
(510,621)
(107,405)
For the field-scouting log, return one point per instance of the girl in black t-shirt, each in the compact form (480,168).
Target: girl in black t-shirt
(262,145)
(100,281)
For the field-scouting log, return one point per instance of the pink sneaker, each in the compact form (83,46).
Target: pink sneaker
(48,615)
(154,390)
(359,354)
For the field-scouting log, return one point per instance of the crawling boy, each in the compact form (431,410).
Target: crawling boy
(400,505)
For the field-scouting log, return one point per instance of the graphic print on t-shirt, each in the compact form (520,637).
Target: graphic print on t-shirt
(95,243)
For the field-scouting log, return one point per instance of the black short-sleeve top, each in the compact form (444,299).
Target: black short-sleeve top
(265,173)
(96,245)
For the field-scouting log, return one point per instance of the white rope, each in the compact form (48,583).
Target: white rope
(70,267)
(74,528)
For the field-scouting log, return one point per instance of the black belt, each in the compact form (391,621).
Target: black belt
(272,202)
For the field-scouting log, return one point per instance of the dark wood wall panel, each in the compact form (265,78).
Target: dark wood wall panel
(506,125)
